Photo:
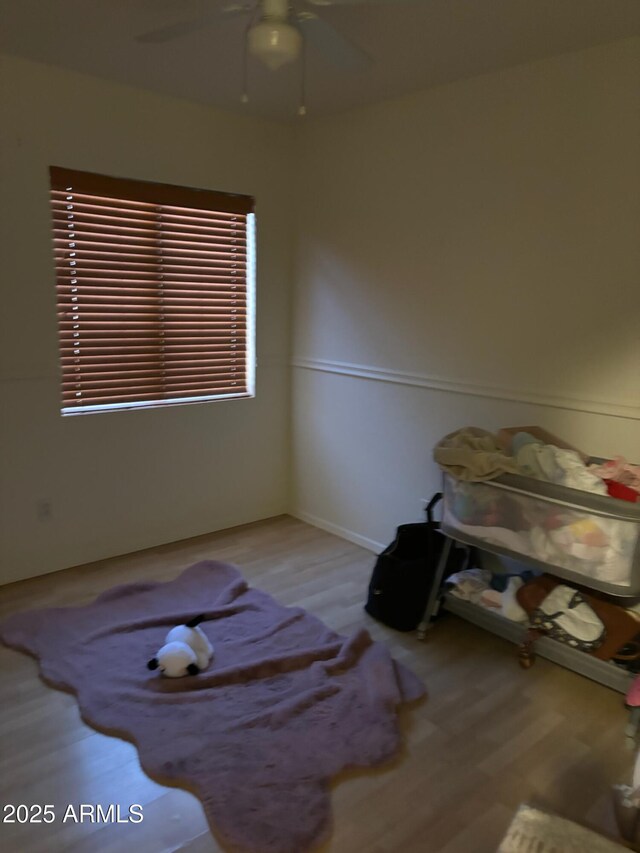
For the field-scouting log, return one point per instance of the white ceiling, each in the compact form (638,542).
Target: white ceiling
(413,45)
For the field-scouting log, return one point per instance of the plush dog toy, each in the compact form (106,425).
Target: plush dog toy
(186,651)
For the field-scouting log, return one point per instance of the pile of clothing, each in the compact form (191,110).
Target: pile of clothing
(526,523)
(494,590)
(474,455)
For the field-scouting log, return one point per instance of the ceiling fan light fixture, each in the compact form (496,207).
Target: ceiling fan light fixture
(274,42)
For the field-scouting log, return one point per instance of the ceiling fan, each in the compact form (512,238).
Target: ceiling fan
(277,30)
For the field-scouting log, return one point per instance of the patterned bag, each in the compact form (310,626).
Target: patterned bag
(564,615)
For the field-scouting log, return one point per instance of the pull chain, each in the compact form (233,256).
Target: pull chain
(302,108)
(245,65)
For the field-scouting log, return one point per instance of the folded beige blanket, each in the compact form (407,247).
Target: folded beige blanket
(473,454)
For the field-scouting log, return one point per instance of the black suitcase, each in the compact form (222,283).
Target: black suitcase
(404,572)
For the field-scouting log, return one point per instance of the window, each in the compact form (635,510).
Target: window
(154,291)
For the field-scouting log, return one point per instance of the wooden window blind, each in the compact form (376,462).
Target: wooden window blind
(153,292)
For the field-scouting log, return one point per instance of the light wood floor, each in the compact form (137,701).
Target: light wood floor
(488,737)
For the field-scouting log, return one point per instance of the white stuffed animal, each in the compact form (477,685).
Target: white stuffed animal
(186,651)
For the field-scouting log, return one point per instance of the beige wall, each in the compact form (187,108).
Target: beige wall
(121,481)
(466,255)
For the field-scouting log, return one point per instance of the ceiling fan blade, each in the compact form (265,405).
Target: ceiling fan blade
(184,28)
(356,2)
(174,31)
(332,44)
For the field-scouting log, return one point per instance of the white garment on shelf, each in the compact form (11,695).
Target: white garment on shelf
(470,584)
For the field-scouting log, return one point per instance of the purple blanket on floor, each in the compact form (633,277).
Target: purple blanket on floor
(285,704)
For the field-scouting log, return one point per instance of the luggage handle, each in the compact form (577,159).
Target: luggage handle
(432,503)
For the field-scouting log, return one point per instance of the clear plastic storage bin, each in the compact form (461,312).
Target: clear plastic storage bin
(590,539)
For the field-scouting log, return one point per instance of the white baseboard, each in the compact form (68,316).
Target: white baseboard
(342,532)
